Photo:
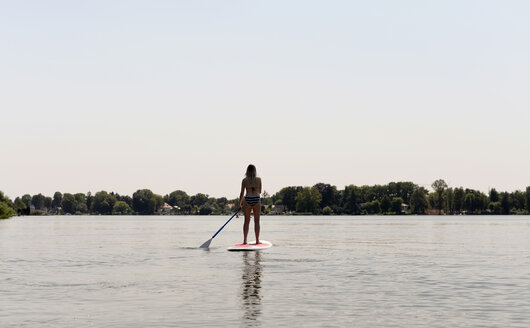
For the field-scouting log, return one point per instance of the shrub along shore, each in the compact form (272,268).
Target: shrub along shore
(394,198)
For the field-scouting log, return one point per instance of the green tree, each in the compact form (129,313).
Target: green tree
(48,203)
(6,211)
(439,186)
(527,200)
(103,203)
(308,200)
(27,200)
(81,207)
(145,202)
(494,195)
(373,207)
(418,201)
(495,207)
(68,203)
(121,208)
(327,211)
(178,198)
(449,197)
(266,198)
(199,199)
(386,203)
(89,200)
(287,196)
(20,207)
(518,201)
(57,199)
(505,203)
(469,203)
(328,192)
(38,201)
(6,207)
(459,200)
(205,210)
(351,201)
(396,205)
(401,189)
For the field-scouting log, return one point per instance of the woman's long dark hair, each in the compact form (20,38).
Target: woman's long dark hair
(251,172)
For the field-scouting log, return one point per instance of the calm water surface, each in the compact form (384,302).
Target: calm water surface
(322,271)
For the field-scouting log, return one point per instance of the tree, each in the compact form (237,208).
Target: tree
(266,198)
(505,203)
(57,199)
(121,208)
(449,202)
(439,187)
(527,200)
(199,199)
(6,211)
(159,201)
(205,210)
(328,192)
(145,202)
(458,200)
(386,203)
(20,207)
(287,196)
(418,201)
(373,207)
(351,200)
(327,211)
(494,195)
(81,207)
(469,203)
(178,198)
(518,201)
(89,200)
(48,203)
(38,201)
(6,207)
(27,200)
(495,208)
(103,203)
(308,200)
(68,203)
(396,205)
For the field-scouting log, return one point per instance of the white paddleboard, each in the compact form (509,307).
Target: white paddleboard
(252,246)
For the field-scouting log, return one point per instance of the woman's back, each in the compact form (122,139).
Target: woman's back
(252,187)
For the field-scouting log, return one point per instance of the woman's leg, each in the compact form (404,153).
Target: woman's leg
(246,210)
(256,209)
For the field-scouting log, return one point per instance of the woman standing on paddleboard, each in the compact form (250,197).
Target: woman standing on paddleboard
(252,184)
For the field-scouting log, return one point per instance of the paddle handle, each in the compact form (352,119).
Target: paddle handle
(226,223)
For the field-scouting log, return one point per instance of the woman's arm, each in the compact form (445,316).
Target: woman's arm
(242,192)
(259,186)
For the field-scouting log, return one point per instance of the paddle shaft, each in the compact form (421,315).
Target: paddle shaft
(226,223)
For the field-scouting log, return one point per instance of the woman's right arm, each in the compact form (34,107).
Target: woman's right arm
(241,193)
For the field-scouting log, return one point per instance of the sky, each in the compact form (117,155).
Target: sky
(183,95)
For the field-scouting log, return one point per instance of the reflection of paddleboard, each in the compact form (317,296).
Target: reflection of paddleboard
(250,246)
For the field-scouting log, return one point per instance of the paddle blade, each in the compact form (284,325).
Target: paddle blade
(206,243)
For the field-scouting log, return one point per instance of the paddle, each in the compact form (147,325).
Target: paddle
(207,243)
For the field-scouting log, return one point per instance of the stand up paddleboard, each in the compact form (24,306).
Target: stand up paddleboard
(250,246)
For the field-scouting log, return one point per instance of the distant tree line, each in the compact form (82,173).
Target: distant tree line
(394,198)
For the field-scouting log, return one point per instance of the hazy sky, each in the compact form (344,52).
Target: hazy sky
(166,95)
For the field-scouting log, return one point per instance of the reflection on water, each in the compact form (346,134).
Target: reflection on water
(250,287)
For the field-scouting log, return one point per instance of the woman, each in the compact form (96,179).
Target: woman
(252,184)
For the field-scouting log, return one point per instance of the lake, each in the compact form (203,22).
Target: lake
(365,271)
